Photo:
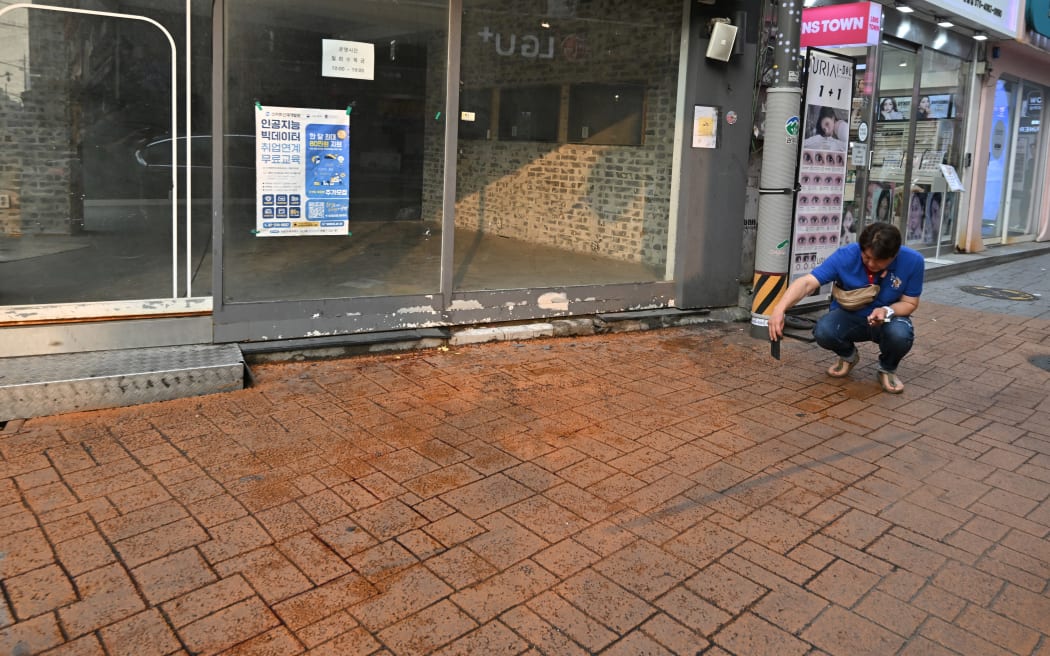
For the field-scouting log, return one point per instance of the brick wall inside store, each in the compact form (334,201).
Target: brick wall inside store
(39,165)
(607,200)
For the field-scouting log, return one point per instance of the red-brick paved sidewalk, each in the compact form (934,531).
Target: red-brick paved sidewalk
(648,493)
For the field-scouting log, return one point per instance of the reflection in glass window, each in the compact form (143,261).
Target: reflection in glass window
(396,138)
(86,156)
(529,113)
(606,113)
(580,194)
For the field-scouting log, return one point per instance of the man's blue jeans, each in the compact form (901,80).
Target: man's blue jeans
(839,331)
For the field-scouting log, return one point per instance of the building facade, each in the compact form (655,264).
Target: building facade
(1008,203)
(944,83)
(503,161)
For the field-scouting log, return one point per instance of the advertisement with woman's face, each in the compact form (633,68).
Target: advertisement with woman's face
(827,128)
(932,227)
(880,201)
(819,224)
(916,214)
(888,110)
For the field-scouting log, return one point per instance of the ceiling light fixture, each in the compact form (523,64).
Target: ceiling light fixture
(980,36)
(903,8)
(944,22)
(903,64)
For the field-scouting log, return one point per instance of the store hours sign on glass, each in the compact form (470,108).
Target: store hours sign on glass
(818,225)
(302,171)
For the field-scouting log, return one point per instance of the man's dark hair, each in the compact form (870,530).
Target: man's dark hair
(884,240)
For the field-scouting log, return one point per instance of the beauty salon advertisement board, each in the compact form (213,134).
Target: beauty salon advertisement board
(817,229)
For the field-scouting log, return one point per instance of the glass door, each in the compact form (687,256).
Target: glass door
(333,146)
(938,137)
(997,177)
(891,164)
(1019,211)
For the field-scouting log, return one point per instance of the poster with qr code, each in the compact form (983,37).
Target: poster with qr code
(302,171)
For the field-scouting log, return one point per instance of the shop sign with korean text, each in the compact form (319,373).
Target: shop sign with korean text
(854,24)
(302,171)
(1000,18)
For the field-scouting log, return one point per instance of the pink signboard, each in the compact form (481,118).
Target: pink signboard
(855,24)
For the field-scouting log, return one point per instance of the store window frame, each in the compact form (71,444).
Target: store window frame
(291,319)
(1004,236)
(911,35)
(184,303)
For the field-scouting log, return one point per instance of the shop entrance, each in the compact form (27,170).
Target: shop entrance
(478,159)
(356,223)
(1016,155)
(918,123)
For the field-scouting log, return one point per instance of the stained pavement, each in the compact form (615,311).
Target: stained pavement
(666,492)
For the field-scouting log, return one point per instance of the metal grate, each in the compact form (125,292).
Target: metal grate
(999,293)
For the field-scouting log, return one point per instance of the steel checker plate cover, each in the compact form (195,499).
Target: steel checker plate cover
(52,384)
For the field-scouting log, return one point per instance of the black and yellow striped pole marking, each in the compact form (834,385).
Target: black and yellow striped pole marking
(768,288)
(766,291)
(778,182)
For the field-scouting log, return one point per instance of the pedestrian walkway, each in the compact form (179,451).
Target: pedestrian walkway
(666,492)
(953,264)
(1030,277)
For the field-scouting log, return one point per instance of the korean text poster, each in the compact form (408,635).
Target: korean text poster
(302,169)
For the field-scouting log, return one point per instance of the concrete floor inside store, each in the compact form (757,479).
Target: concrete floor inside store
(125,253)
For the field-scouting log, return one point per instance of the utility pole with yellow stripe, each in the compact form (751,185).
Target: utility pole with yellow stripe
(777,184)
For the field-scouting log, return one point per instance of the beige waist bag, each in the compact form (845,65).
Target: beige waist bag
(854,299)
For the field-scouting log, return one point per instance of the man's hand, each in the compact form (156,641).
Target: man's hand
(796,291)
(877,316)
(776,324)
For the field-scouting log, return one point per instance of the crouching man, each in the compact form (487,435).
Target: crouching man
(876,287)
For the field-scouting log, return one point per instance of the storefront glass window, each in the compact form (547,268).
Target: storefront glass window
(995,178)
(1027,163)
(86,204)
(884,200)
(366,172)
(1011,197)
(916,132)
(939,124)
(568,181)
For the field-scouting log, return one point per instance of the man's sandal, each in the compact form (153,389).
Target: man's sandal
(890,383)
(843,366)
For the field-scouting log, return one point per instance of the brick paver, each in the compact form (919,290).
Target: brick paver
(667,492)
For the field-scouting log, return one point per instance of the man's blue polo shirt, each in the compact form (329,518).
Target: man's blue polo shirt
(903,277)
